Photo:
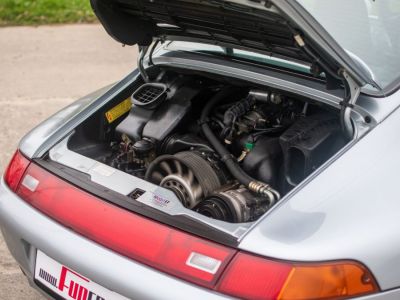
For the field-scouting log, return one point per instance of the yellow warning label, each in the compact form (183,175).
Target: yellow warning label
(118,110)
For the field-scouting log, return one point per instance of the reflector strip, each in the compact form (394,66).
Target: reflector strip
(134,236)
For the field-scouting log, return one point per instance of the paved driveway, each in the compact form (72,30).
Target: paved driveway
(43,69)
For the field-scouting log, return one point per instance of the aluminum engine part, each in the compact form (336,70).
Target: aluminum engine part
(234,206)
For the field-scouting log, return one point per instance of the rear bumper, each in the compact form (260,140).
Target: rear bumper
(25,230)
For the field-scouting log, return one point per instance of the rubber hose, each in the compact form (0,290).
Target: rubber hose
(226,156)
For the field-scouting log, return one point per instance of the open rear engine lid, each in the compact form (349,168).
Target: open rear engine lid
(279,28)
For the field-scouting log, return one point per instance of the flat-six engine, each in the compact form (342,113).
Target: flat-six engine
(227,152)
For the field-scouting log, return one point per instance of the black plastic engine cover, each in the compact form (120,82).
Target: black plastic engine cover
(170,114)
(264,160)
(134,123)
(308,143)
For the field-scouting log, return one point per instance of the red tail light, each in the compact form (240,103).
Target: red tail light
(15,170)
(253,277)
(183,255)
(141,239)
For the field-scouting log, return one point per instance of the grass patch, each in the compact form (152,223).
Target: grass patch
(39,12)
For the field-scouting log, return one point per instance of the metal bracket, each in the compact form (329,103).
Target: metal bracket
(299,40)
(354,90)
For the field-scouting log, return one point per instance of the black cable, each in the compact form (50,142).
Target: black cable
(189,144)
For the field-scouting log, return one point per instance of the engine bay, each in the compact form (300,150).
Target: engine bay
(228,150)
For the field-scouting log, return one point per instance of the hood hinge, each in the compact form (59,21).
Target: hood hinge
(317,61)
(352,92)
(352,89)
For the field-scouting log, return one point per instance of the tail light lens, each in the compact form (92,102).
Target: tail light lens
(252,277)
(191,258)
(336,280)
(136,237)
(15,170)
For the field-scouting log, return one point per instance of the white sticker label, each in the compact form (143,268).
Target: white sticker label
(103,170)
(156,201)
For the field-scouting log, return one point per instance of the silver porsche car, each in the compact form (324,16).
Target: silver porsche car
(252,154)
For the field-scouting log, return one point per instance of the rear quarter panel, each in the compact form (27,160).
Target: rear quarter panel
(349,211)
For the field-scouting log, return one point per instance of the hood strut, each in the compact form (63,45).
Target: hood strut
(142,70)
(352,91)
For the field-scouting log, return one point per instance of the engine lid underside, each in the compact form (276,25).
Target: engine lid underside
(138,22)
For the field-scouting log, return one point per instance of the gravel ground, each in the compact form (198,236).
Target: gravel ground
(42,69)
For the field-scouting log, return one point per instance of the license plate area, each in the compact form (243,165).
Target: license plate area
(67,283)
